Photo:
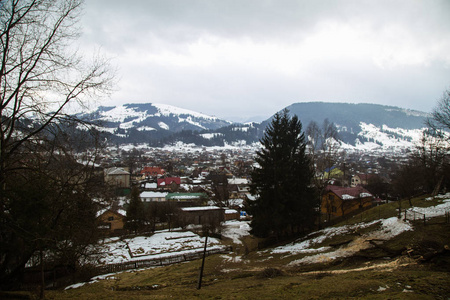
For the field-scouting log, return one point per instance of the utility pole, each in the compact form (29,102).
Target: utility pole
(200,276)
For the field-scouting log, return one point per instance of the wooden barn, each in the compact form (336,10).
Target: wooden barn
(339,201)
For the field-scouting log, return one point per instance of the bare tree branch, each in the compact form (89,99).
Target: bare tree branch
(39,73)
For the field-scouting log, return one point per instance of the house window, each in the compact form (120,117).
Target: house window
(333,209)
(111,218)
(331,197)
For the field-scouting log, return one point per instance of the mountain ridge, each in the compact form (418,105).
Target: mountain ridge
(161,124)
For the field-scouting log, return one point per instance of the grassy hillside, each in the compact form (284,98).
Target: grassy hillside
(412,265)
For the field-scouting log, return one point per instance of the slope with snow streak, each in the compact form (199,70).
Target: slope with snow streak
(168,110)
(389,228)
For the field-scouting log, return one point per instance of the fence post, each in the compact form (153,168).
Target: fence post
(424,220)
(200,276)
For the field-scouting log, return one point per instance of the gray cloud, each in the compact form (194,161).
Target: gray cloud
(237,59)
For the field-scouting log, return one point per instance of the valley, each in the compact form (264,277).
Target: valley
(363,257)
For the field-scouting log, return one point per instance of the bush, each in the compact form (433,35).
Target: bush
(271,273)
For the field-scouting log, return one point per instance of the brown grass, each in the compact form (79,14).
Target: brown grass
(251,274)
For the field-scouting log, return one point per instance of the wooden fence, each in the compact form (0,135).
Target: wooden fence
(412,215)
(58,277)
(159,261)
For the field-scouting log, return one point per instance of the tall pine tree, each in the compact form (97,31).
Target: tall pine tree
(284,202)
(135,220)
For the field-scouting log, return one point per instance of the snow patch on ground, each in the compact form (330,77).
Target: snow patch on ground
(306,245)
(385,138)
(236,230)
(167,110)
(163,125)
(210,136)
(390,228)
(431,212)
(382,288)
(233,259)
(158,245)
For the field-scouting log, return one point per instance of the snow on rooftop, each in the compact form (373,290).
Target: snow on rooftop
(238,181)
(100,212)
(151,185)
(147,194)
(184,197)
(365,195)
(195,208)
(122,212)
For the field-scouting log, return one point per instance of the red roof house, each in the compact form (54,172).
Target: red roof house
(169,182)
(152,171)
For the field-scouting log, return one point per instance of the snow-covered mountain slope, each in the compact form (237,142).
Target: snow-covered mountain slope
(122,120)
(366,126)
(383,138)
(360,126)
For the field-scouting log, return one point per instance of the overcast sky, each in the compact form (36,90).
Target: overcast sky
(248,58)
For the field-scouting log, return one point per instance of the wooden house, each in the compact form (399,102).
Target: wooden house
(231,214)
(152,172)
(238,187)
(110,220)
(148,196)
(202,215)
(117,177)
(361,179)
(188,199)
(169,183)
(333,173)
(339,201)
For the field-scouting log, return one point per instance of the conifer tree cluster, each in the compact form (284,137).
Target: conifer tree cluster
(284,202)
(135,220)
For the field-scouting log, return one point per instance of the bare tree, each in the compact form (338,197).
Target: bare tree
(314,135)
(440,117)
(329,145)
(219,186)
(426,170)
(48,205)
(322,144)
(39,74)
(323,148)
